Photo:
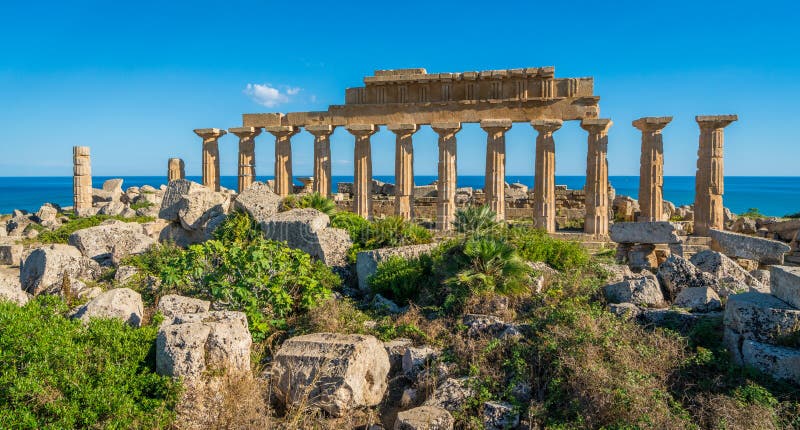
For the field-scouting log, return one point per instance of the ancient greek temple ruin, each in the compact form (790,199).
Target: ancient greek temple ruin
(403,100)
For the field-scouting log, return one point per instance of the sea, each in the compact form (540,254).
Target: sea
(775,196)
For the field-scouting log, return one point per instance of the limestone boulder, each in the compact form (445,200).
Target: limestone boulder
(759,317)
(333,372)
(731,274)
(765,251)
(645,232)
(396,349)
(499,416)
(48,215)
(780,362)
(11,290)
(189,345)
(125,274)
(785,230)
(173,305)
(698,299)
(122,303)
(259,201)
(616,272)
(744,225)
(192,204)
(367,261)
(677,273)
(641,290)
(46,268)
(625,208)
(452,394)
(173,232)
(309,230)
(11,255)
(111,240)
(785,284)
(417,358)
(424,418)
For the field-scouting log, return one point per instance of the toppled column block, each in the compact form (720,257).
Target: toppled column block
(645,232)
(785,284)
(765,251)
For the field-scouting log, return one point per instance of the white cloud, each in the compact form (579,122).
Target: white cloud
(266,95)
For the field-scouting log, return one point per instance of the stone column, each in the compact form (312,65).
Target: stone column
(362,169)
(404,170)
(596,222)
(446,188)
(709,179)
(247,155)
(210,156)
(81,180)
(175,169)
(322,158)
(544,182)
(496,165)
(284,184)
(651,170)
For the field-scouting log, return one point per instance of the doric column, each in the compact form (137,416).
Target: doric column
(210,156)
(322,158)
(284,185)
(651,170)
(247,155)
(175,169)
(496,165)
(709,179)
(404,170)
(596,222)
(81,180)
(544,183)
(446,189)
(362,169)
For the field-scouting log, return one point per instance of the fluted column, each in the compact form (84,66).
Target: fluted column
(210,155)
(709,179)
(176,169)
(446,189)
(247,155)
(81,180)
(496,165)
(651,169)
(596,222)
(284,184)
(362,169)
(322,158)
(404,169)
(544,184)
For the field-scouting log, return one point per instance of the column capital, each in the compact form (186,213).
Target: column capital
(282,130)
(715,121)
(361,130)
(320,130)
(245,132)
(403,128)
(652,123)
(546,125)
(210,133)
(446,128)
(596,125)
(496,125)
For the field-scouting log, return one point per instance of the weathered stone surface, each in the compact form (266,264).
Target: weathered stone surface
(727,271)
(785,284)
(259,201)
(616,272)
(46,268)
(451,394)
(639,290)
(173,305)
(173,232)
(677,273)
(698,299)
(780,362)
(645,232)
(396,349)
(47,214)
(367,261)
(334,372)
(710,179)
(122,303)
(125,274)
(499,416)
(765,251)
(416,358)
(309,230)
(11,290)
(11,255)
(624,310)
(744,225)
(759,317)
(111,239)
(785,230)
(173,196)
(192,204)
(191,344)
(424,418)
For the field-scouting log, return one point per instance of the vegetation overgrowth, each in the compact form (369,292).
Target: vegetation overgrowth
(312,200)
(381,233)
(62,233)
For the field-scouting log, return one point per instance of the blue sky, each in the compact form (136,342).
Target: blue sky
(132,79)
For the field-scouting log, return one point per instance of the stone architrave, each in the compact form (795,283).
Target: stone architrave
(404,169)
(176,169)
(247,155)
(446,192)
(210,138)
(651,170)
(283,158)
(544,187)
(596,223)
(709,180)
(362,169)
(496,164)
(322,158)
(81,179)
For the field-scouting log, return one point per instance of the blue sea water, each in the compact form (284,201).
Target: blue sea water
(771,195)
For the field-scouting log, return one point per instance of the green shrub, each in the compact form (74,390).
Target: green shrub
(56,372)
(536,245)
(401,279)
(313,200)
(753,213)
(142,205)
(386,232)
(61,234)
(475,220)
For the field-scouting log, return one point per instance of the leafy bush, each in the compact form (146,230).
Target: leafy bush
(401,279)
(61,234)
(753,213)
(537,245)
(56,372)
(386,232)
(475,220)
(313,200)
(141,205)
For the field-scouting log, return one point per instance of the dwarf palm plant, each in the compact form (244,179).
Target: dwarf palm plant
(491,265)
(477,220)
